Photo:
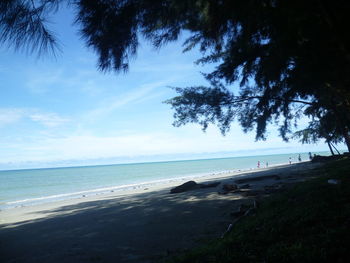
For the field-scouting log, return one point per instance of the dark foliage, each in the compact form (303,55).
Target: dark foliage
(290,58)
(23,25)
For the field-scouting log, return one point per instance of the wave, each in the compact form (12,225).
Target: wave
(105,190)
(121,188)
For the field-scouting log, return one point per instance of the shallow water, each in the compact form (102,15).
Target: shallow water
(25,187)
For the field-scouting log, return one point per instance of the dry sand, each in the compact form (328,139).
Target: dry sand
(144,225)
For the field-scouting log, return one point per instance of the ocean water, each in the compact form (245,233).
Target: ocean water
(28,187)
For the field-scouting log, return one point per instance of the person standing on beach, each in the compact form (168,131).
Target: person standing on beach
(290,160)
(310,156)
(299,158)
(258,164)
(267,164)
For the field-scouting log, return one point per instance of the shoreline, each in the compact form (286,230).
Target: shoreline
(130,189)
(142,225)
(26,212)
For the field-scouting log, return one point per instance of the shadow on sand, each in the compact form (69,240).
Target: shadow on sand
(139,228)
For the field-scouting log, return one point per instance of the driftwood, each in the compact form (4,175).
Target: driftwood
(255,204)
(191,185)
(240,214)
(228,230)
(251,193)
(229,187)
(257,178)
(209,185)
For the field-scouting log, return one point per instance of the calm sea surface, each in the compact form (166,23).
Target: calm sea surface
(25,187)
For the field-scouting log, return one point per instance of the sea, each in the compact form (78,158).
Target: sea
(33,186)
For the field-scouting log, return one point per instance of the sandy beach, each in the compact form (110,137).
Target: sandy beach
(145,224)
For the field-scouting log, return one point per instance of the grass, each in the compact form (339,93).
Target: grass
(308,223)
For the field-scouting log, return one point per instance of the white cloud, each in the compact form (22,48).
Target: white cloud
(134,96)
(14,115)
(43,80)
(179,141)
(52,149)
(10,115)
(88,146)
(48,119)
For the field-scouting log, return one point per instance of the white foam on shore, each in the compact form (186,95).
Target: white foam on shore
(131,187)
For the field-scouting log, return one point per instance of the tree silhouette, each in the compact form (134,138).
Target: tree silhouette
(23,25)
(290,58)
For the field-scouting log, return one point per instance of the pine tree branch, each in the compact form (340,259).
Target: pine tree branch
(243,99)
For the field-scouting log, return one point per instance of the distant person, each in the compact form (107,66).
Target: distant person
(267,164)
(299,158)
(258,164)
(290,160)
(310,156)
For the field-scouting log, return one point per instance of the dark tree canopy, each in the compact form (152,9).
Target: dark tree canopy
(290,58)
(23,25)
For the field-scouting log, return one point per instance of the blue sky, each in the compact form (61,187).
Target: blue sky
(63,111)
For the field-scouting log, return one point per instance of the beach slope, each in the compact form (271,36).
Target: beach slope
(135,227)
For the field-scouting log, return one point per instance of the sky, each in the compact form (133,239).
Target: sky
(62,111)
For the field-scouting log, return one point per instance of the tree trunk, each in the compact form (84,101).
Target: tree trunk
(347,138)
(330,148)
(335,148)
